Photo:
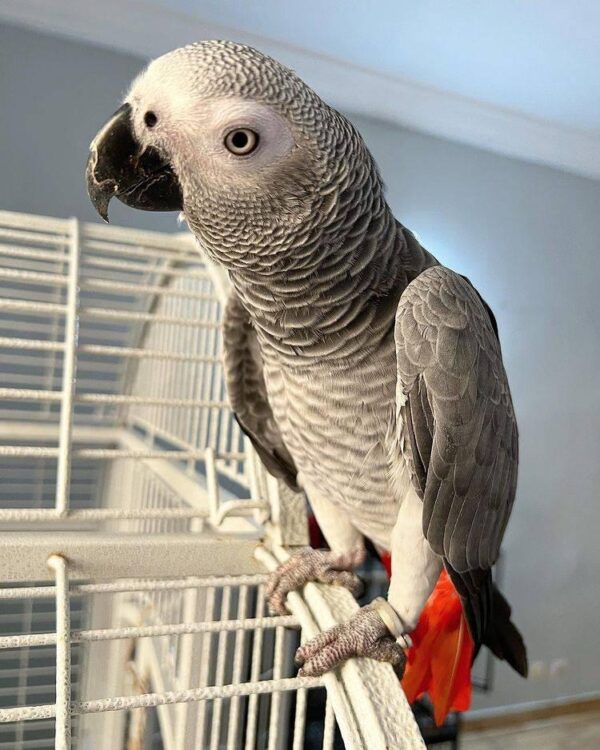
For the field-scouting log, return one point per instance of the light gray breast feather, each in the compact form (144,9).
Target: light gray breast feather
(462,441)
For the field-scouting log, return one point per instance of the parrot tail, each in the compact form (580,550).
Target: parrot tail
(502,637)
(488,616)
(439,661)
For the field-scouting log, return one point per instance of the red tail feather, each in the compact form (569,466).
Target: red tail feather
(439,662)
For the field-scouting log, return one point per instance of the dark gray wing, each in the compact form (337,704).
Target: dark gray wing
(247,392)
(461,435)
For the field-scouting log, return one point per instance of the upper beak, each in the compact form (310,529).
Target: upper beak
(118,166)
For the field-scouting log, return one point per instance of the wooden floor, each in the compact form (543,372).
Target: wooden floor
(576,732)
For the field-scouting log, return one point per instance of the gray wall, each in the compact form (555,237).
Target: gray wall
(527,236)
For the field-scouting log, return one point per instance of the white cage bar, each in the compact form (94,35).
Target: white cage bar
(131,504)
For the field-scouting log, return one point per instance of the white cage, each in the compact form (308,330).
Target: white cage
(137,524)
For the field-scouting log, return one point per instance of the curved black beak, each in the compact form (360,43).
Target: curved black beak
(117,166)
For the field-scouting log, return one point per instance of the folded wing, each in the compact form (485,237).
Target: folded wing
(248,394)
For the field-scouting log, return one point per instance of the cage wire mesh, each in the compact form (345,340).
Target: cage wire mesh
(137,524)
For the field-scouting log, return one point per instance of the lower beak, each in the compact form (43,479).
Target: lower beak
(117,166)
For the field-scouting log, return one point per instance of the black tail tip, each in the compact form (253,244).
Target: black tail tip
(503,638)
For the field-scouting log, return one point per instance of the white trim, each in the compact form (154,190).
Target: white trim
(518,708)
(141,28)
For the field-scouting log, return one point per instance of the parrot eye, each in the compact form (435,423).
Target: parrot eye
(150,119)
(241,141)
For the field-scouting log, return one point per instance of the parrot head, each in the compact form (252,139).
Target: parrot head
(256,161)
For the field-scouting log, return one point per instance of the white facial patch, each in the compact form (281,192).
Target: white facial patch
(164,89)
(191,128)
(213,119)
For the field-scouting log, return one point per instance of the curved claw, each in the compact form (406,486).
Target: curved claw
(365,634)
(310,564)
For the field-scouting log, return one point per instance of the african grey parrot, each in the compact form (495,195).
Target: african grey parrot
(363,370)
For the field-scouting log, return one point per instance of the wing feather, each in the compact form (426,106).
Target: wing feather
(248,394)
(462,441)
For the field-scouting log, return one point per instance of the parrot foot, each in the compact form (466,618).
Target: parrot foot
(319,565)
(365,634)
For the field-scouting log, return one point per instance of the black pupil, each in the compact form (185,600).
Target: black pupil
(239,139)
(150,119)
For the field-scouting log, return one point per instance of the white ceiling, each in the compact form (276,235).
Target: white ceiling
(541,57)
(519,77)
